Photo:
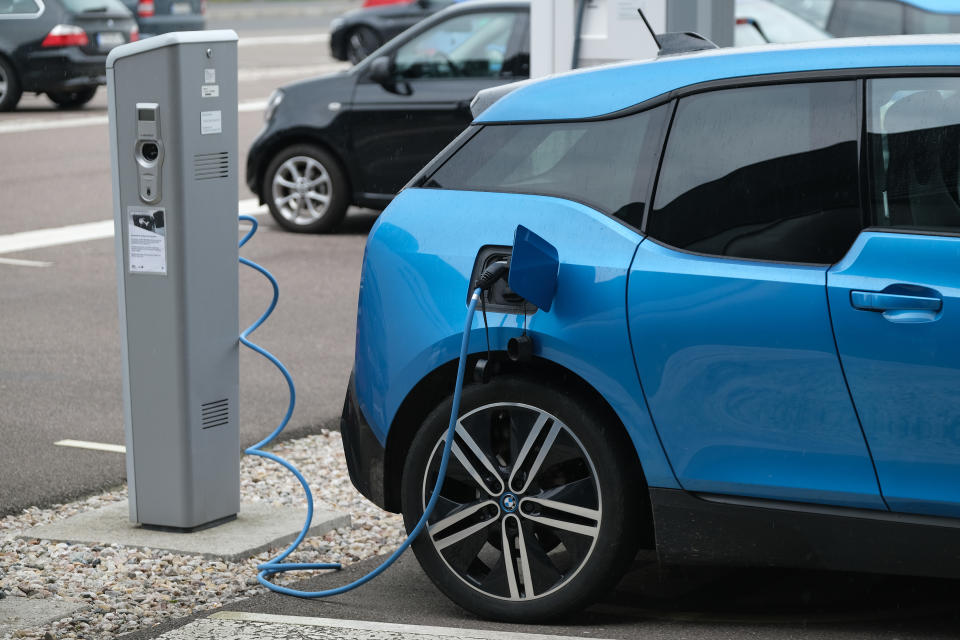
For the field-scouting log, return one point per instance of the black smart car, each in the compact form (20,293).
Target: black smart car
(356,34)
(358,136)
(59,47)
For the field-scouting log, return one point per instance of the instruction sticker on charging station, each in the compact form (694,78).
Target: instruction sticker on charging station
(146,240)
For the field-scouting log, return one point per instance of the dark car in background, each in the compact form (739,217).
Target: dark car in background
(59,47)
(358,136)
(163,16)
(356,34)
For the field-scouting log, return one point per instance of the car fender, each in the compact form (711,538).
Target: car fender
(413,292)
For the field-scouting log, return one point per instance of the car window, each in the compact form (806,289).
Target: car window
(605,163)
(18,7)
(913,137)
(471,45)
(93,6)
(866,18)
(765,172)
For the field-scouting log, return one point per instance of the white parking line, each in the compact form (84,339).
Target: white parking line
(70,234)
(263,626)
(305,38)
(96,446)
(22,126)
(24,263)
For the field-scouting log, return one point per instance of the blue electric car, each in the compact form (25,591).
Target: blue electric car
(751,356)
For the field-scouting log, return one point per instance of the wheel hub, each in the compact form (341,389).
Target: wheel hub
(519,511)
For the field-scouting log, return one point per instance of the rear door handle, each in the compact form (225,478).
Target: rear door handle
(879,301)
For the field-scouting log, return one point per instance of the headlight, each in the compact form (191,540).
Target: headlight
(272,103)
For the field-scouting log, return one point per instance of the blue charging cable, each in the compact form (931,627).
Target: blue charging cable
(277,565)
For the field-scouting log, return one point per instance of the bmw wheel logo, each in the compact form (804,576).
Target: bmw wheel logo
(509,502)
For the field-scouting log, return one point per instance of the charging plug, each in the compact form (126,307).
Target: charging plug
(492,273)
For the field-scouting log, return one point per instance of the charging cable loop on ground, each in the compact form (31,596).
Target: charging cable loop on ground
(277,564)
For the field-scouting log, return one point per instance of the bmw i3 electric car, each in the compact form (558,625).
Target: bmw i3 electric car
(751,353)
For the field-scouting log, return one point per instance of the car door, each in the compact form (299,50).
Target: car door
(398,126)
(757,196)
(895,299)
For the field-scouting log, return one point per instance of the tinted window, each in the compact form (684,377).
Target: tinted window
(913,134)
(18,7)
(762,172)
(93,6)
(606,163)
(866,18)
(472,45)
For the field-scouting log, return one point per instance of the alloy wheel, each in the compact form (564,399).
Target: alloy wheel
(301,190)
(519,511)
(4,83)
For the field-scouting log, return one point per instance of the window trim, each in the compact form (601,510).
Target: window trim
(27,16)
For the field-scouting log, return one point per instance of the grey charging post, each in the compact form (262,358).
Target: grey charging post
(173,149)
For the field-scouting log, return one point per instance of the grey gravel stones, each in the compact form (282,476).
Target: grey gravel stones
(117,589)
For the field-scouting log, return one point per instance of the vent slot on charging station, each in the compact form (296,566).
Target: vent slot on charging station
(210,166)
(215,414)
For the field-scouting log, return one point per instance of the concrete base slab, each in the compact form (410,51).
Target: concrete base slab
(18,613)
(257,528)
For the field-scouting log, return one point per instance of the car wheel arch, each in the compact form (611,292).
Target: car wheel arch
(296,138)
(438,384)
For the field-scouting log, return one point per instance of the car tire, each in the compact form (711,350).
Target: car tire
(361,42)
(306,189)
(589,468)
(74,98)
(10,90)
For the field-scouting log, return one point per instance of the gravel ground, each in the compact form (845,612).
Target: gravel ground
(123,589)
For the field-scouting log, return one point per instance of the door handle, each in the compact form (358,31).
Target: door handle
(879,301)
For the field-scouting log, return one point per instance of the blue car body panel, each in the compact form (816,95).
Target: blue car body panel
(741,374)
(903,365)
(935,6)
(418,263)
(597,92)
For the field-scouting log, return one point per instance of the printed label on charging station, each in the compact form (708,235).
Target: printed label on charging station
(146,239)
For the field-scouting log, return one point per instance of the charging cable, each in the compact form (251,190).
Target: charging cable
(277,565)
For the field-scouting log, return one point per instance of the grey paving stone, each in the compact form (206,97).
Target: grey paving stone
(257,528)
(24,613)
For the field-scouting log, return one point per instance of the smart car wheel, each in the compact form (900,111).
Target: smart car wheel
(305,189)
(361,42)
(72,99)
(9,86)
(537,515)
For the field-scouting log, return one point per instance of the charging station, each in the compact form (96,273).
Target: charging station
(173,149)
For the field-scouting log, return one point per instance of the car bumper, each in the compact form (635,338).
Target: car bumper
(365,455)
(62,70)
